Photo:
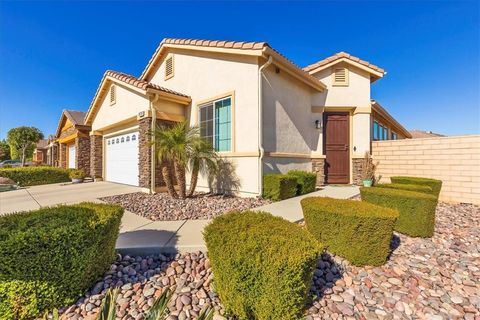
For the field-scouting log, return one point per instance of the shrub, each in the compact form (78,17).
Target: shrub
(408,187)
(417,210)
(279,186)
(306,181)
(52,255)
(32,176)
(77,174)
(263,265)
(436,185)
(358,231)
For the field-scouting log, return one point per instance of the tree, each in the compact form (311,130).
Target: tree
(4,150)
(182,145)
(23,140)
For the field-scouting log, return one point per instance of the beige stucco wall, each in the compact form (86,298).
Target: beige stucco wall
(454,160)
(204,76)
(360,134)
(128,104)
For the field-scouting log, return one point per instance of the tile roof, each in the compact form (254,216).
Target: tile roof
(341,55)
(416,134)
(76,117)
(41,144)
(141,84)
(217,43)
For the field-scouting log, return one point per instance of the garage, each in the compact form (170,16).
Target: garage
(121,158)
(71,156)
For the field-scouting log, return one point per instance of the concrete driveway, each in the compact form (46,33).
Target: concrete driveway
(59,193)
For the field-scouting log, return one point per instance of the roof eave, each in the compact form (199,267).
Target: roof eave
(375,74)
(384,113)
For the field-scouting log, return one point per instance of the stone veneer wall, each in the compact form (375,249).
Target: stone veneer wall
(318,167)
(62,162)
(82,146)
(454,160)
(357,171)
(145,152)
(96,156)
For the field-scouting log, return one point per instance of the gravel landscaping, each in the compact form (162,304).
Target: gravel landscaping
(161,206)
(436,278)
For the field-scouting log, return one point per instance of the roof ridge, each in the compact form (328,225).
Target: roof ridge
(339,55)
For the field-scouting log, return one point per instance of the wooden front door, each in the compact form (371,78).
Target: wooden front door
(336,137)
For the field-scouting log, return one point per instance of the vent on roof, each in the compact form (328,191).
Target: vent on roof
(113,95)
(340,77)
(169,67)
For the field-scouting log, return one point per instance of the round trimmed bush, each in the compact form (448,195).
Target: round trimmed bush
(51,256)
(358,231)
(417,209)
(263,265)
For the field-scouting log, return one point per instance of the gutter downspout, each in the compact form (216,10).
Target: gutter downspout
(153,159)
(260,125)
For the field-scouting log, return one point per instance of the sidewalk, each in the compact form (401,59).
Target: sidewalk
(137,238)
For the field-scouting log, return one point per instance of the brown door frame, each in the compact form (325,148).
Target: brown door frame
(349,141)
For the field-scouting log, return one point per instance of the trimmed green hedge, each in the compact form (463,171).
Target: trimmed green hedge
(436,185)
(32,176)
(51,256)
(263,265)
(358,231)
(417,210)
(279,186)
(306,181)
(408,187)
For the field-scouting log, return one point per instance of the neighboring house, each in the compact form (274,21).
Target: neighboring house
(52,152)
(71,148)
(40,152)
(260,111)
(418,134)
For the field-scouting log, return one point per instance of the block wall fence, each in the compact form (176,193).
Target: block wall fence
(454,160)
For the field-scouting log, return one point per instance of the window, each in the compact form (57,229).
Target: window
(376,129)
(394,136)
(380,132)
(169,67)
(216,123)
(340,77)
(113,95)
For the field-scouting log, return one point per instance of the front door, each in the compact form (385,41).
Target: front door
(336,137)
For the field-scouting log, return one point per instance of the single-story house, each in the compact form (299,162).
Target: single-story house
(260,111)
(40,152)
(71,148)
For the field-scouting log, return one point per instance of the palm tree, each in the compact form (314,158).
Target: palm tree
(182,145)
(202,159)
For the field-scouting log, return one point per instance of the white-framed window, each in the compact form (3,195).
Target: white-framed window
(215,121)
(340,76)
(169,71)
(113,94)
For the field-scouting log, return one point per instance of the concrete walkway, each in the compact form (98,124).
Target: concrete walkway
(139,235)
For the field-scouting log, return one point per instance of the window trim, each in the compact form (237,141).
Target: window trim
(347,78)
(231,95)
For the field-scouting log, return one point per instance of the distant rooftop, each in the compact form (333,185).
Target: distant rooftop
(417,134)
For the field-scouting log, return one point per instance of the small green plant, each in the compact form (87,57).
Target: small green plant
(279,186)
(417,210)
(368,168)
(77,174)
(358,231)
(262,265)
(435,185)
(306,181)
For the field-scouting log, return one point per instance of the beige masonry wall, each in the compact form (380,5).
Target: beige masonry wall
(454,160)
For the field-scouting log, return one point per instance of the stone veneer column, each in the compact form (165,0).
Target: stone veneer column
(62,159)
(82,147)
(357,171)
(144,152)
(318,167)
(96,156)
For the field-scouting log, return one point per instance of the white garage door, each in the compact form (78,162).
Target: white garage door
(121,158)
(71,156)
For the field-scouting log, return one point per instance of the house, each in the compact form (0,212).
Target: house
(261,112)
(418,134)
(40,152)
(71,148)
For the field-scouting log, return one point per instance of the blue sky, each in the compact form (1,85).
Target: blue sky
(53,54)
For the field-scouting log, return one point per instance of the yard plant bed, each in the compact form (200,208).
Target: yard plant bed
(433,278)
(161,206)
